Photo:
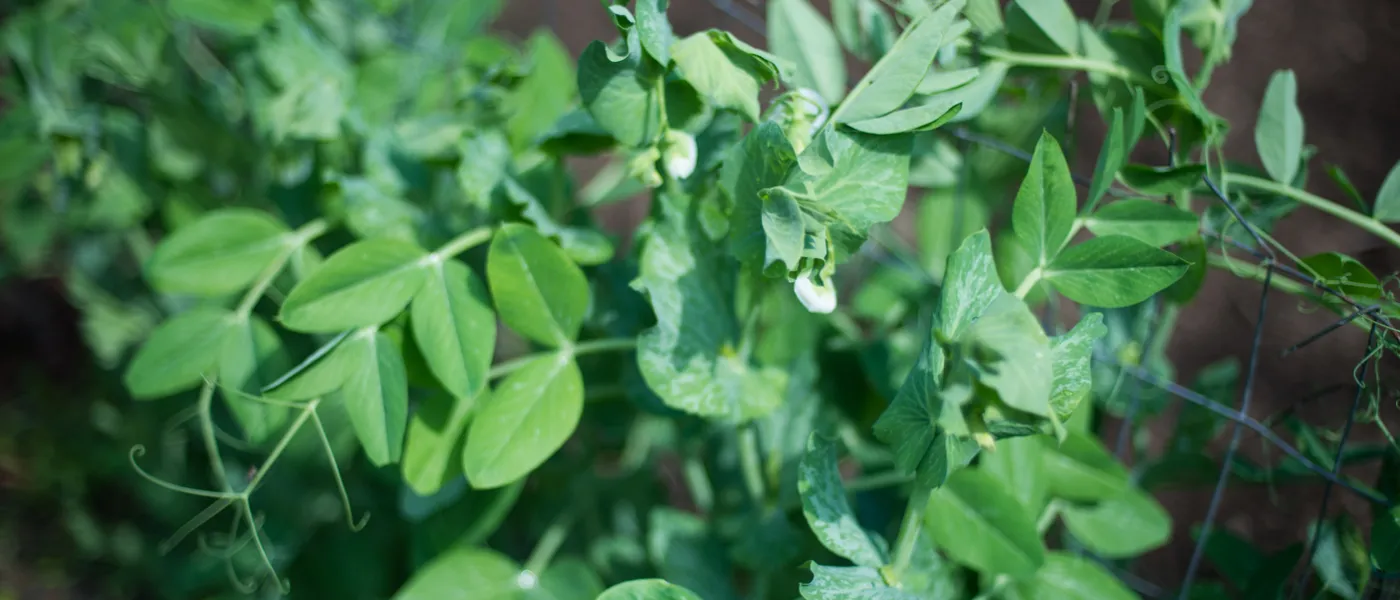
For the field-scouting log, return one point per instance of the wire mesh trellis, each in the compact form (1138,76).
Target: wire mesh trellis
(1378,583)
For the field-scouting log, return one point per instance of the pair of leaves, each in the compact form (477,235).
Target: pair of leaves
(874,105)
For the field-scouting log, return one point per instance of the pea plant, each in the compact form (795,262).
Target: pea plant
(356,235)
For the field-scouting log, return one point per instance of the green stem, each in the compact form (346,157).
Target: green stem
(1028,283)
(1047,517)
(752,464)
(463,242)
(582,349)
(875,482)
(292,430)
(1073,63)
(908,534)
(300,238)
(1365,222)
(206,430)
(550,542)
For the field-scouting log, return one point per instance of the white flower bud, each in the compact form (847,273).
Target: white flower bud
(679,154)
(816,297)
(814,107)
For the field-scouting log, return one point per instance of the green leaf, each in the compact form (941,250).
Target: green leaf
(685,551)
(1113,271)
(1388,199)
(654,30)
(1017,464)
(376,394)
(784,229)
(978,523)
(1161,181)
(1340,178)
(362,285)
(1056,20)
(1153,223)
(1385,541)
(1010,332)
(941,81)
(798,32)
(619,95)
(237,18)
(891,82)
(825,507)
(1111,157)
(1192,250)
(1081,469)
(454,327)
(251,356)
(321,373)
(1068,577)
(539,292)
(926,117)
(465,572)
(850,583)
(221,253)
(723,70)
(1278,134)
(1070,362)
(1122,526)
(178,353)
(1043,213)
(529,416)
(569,578)
(433,446)
(863,27)
(542,97)
(689,358)
(910,426)
(489,161)
(1341,559)
(970,285)
(1344,274)
(759,161)
(647,589)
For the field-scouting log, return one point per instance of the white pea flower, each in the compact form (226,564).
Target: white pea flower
(813,106)
(817,297)
(679,153)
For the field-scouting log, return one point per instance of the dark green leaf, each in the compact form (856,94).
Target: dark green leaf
(433,446)
(1111,157)
(910,426)
(569,579)
(1344,274)
(1154,223)
(238,18)
(761,160)
(539,292)
(363,284)
(523,421)
(684,551)
(723,70)
(1385,541)
(619,95)
(1160,181)
(1113,271)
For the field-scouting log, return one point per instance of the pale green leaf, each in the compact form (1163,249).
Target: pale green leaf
(723,70)
(1010,332)
(1017,464)
(464,573)
(1081,469)
(825,507)
(321,373)
(970,284)
(925,117)
(433,446)
(1043,213)
(178,353)
(647,589)
(654,30)
(1387,206)
(800,34)
(523,421)
(376,394)
(891,82)
(1278,134)
(1111,157)
(1068,577)
(863,27)
(1154,223)
(543,96)
(850,583)
(1070,361)
(941,81)
(1113,271)
(783,227)
(978,523)
(568,578)
(539,292)
(1122,526)
(1055,20)
(219,254)
(621,99)
(251,357)
(454,327)
(363,284)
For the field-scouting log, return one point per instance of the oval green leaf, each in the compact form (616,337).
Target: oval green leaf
(799,33)
(1113,271)
(376,394)
(454,327)
(251,357)
(178,353)
(1154,223)
(925,117)
(1069,577)
(362,285)
(1080,469)
(1161,181)
(978,523)
(1278,134)
(465,573)
(1344,274)
(891,82)
(522,422)
(647,589)
(826,510)
(433,445)
(1123,526)
(539,292)
(1387,206)
(221,253)
(1043,212)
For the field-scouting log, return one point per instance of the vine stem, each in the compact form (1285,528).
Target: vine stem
(1029,282)
(1074,63)
(909,533)
(1371,225)
(298,240)
(550,542)
(582,349)
(466,241)
(752,463)
(205,409)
